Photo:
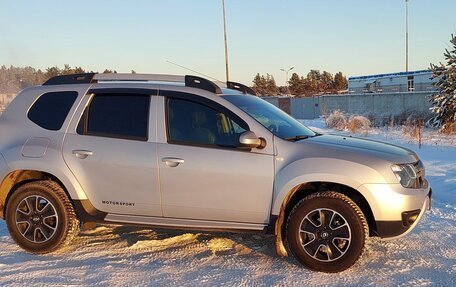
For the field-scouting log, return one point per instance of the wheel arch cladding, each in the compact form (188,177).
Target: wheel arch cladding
(305,189)
(17,178)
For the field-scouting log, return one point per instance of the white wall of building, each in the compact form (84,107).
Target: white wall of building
(392,83)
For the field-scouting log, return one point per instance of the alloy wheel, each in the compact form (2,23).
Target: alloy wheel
(325,234)
(36,219)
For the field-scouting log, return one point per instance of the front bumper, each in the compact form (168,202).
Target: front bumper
(396,210)
(390,230)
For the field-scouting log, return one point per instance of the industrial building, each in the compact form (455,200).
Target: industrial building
(414,81)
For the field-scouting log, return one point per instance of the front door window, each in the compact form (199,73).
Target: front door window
(197,124)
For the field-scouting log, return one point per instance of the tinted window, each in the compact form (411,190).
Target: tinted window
(194,123)
(51,109)
(277,121)
(117,115)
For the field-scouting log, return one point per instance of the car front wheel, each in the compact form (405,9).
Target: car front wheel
(326,231)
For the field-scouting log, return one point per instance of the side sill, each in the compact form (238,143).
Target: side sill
(87,213)
(188,224)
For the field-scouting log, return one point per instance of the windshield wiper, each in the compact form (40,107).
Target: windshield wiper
(296,138)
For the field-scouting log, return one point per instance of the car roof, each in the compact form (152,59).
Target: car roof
(187,81)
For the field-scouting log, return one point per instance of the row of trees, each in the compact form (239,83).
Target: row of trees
(13,79)
(317,83)
(314,83)
(265,85)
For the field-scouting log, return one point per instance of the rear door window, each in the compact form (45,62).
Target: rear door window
(116,115)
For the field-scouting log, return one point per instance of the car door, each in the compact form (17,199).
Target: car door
(204,175)
(112,152)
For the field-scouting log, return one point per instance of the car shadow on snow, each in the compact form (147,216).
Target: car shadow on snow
(132,239)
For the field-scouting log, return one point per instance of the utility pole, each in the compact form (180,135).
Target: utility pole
(226,45)
(406,36)
(286,77)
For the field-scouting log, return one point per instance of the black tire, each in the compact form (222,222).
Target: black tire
(322,244)
(49,225)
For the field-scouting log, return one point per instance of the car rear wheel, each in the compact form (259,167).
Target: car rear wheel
(326,231)
(40,217)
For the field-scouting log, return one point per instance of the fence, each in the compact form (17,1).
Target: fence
(377,105)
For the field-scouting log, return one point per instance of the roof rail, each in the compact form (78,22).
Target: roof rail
(189,81)
(240,87)
(201,83)
(106,77)
(70,79)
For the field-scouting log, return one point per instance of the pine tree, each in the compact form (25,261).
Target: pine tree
(340,82)
(444,101)
(265,86)
(66,70)
(327,82)
(314,81)
(272,89)
(78,70)
(258,84)
(295,85)
(52,72)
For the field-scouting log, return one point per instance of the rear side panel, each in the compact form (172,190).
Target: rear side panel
(27,146)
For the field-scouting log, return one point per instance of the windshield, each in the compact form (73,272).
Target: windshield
(271,117)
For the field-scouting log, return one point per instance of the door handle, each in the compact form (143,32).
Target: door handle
(82,154)
(172,161)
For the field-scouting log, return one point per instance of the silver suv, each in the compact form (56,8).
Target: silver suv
(181,152)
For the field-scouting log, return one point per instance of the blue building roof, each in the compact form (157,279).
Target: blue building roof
(390,75)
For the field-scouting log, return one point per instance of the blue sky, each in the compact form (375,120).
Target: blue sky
(353,36)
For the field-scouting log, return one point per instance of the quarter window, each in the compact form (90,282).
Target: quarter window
(195,123)
(117,115)
(51,109)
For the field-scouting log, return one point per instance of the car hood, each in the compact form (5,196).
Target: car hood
(364,147)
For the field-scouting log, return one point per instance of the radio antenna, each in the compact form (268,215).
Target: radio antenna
(180,66)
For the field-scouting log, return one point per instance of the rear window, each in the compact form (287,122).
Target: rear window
(51,109)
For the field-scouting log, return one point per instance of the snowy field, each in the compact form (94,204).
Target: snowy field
(127,256)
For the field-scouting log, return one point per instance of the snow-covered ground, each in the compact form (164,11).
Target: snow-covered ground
(128,256)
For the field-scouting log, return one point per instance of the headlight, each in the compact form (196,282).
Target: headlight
(407,174)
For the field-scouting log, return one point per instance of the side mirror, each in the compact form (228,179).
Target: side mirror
(250,140)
